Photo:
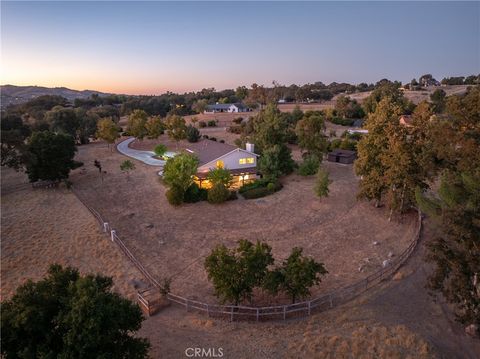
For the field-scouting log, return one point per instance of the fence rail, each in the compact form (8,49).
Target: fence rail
(232,312)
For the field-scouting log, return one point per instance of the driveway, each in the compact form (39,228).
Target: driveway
(144,156)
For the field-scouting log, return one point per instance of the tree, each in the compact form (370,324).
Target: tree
(390,90)
(220,178)
(127,166)
(192,134)
(160,149)
(49,156)
(275,161)
(63,120)
(257,95)
(321,184)
(347,108)
(310,132)
(136,124)
(179,171)
(295,276)
(438,100)
(87,124)
(241,92)
(200,106)
(12,141)
(236,272)
(154,127)
(107,130)
(66,315)
(176,128)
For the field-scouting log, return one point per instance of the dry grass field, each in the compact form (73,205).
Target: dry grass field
(172,242)
(45,226)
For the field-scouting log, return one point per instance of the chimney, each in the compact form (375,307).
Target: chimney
(250,147)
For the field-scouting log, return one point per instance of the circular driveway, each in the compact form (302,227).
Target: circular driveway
(144,156)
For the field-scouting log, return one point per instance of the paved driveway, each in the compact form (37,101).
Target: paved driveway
(144,156)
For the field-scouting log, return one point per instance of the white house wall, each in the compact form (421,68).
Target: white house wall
(231,161)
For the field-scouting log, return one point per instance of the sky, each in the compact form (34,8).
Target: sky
(152,47)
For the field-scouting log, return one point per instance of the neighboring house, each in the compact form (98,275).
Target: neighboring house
(242,164)
(342,156)
(406,120)
(226,107)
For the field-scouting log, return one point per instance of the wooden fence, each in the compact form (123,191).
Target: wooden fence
(149,298)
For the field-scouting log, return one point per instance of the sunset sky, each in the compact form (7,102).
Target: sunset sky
(152,47)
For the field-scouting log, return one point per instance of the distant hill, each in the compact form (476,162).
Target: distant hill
(11,94)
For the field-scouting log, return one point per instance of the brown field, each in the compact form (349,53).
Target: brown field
(172,242)
(45,226)
(398,319)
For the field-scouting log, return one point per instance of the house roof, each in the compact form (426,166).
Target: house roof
(406,120)
(207,150)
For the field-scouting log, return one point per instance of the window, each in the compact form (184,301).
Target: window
(249,160)
(220,164)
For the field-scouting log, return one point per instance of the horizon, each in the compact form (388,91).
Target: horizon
(151,48)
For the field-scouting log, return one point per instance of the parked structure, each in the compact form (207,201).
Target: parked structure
(226,107)
(342,156)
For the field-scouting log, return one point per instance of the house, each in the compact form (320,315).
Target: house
(406,120)
(226,107)
(241,163)
(342,156)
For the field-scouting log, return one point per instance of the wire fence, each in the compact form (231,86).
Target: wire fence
(148,298)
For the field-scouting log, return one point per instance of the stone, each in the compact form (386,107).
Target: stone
(386,263)
(399,276)
(376,243)
(472,330)
(390,254)
(149,226)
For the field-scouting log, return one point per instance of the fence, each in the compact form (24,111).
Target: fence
(148,298)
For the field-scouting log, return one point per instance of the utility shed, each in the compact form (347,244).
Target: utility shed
(342,156)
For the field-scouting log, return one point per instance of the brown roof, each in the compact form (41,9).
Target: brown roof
(342,153)
(207,150)
(406,120)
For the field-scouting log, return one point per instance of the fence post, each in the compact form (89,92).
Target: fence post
(112,235)
(187,305)
(366,283)
(105,227)
(284,312)
(257,314)
(208,310)
(331,302)
(309,308)
(231,315)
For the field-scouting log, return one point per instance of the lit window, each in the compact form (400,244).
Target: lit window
(220,164)
(242,161)
(250,160)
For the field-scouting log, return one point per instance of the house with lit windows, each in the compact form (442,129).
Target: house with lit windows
(242,163)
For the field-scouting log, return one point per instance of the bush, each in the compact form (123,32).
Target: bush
(238,120)
(195,194)
(342,121)
(309,166)
(193,134)
(271,187)
(160,149)
(202,124)
(235,129)
(233,196)
(213,139)
(212,123)
(175,196)
(256,193)
(205,137)
(222,141)
(321,183)
(218,194)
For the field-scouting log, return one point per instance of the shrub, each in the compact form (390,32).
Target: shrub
(235,129)
(333,133)
(321,184)
(193,134)
(222,141)
(256,193)
(195,194)
(238,120)
(205,137)
(213,138)
(271,187)
(160,149)
(202,124)
(309,166)
(218,194)
(175,196)
(342,121)
(212,123)
(233,196)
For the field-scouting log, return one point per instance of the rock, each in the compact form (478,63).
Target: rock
(360,269)
(390,254)
(161,242)
(367,260)
(472,330)
(376,243)
(386,263)
(149,226)
(131,215)
(399,276)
